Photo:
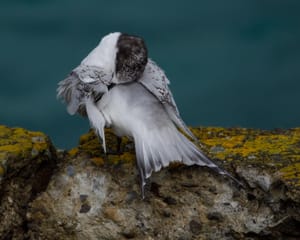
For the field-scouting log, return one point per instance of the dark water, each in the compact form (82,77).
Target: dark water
(231,63)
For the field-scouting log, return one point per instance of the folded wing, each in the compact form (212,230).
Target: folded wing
(155,80)
(84,86)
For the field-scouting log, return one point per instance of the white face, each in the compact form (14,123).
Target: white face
(104,54)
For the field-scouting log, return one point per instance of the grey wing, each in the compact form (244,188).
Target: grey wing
(83,81)
(155,80)
(84,86)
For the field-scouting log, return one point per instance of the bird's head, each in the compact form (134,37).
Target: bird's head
(125,56)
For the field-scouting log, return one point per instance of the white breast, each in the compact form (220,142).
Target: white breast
(130,109)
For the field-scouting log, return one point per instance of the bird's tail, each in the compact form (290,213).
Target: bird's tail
(159,147)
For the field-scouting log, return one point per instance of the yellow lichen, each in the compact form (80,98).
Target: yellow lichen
(275,150)
(114,159)
(16,150)
(18,142)
(4,131)
(73,151)
(2,170)
(291,174)
(127,157)
(89,144)
(97,161)
(40,146)
(248,143)
(86,137)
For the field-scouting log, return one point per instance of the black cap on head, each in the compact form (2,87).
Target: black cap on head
(131,58)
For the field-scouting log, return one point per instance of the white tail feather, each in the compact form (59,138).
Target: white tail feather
(159,147)
(96,119)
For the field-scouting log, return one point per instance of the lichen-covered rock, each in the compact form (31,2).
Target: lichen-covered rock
(27,160)
(261,157)
(96,196)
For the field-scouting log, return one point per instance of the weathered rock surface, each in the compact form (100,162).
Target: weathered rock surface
(95,196)
(27,160)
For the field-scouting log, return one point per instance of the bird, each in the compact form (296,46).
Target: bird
(117,85)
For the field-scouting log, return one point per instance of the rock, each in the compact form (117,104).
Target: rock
(27,161)
(216,215)
(113,214)
(195,227)
(89,195)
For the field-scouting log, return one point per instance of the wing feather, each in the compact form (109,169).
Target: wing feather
(81,82)
(155,80)
(84,86)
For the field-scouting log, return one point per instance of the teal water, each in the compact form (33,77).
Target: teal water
(231,63)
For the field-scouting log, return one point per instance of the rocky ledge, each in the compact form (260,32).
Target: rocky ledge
(84,194)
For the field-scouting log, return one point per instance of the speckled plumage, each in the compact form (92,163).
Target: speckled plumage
(82,82)
(155,80)
(131,58)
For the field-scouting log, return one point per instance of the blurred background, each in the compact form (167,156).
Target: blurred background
(231,63)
